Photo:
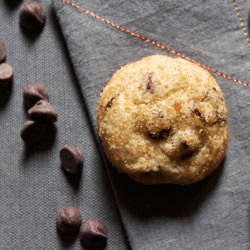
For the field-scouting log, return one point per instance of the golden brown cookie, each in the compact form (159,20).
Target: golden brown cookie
(163,120)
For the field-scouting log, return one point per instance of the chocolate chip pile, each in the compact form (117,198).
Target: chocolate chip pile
(6,71)
(92,232)
(40,111)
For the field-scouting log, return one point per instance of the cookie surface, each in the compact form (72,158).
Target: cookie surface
(163,120)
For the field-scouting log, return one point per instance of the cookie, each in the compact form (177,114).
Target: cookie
(163,120)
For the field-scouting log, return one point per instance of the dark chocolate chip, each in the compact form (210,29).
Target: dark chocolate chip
(187,154)
(219,118)
(34,92)
(162,134)
(44,111)
(93,234)
(214,89)
(33,132)
(32,15)
(6,74)
(150,83)
(187,151)
(2,50)
(197,112)
(68,219)
(185,144)
(71,159)
(110,102)
(150,173)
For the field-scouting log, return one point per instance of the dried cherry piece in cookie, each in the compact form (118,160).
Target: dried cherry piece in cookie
(150,82)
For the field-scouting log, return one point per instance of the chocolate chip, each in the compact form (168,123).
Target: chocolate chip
(68,219)
(187,154)
(150,173)
(185,144)
(219,118)
(150,83)
(197,112)
(214,89)
(32,15)
(93,234)
(43,110)
(33,132)
(6,74)
(2,50)
(34,92)
(110,102)
(159,135)
(71,159)
(188,150)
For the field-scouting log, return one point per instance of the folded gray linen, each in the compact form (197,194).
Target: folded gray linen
(212,214)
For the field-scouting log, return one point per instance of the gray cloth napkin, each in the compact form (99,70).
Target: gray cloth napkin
(212,214)
(33,186)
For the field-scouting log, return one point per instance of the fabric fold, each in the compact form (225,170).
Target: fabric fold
(214,213)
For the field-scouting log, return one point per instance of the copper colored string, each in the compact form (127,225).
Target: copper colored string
(163,47)
(241,22)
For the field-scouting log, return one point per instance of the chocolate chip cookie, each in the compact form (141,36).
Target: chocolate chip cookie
(163,120)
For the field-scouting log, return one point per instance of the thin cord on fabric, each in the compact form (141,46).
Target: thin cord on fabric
(163,47)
